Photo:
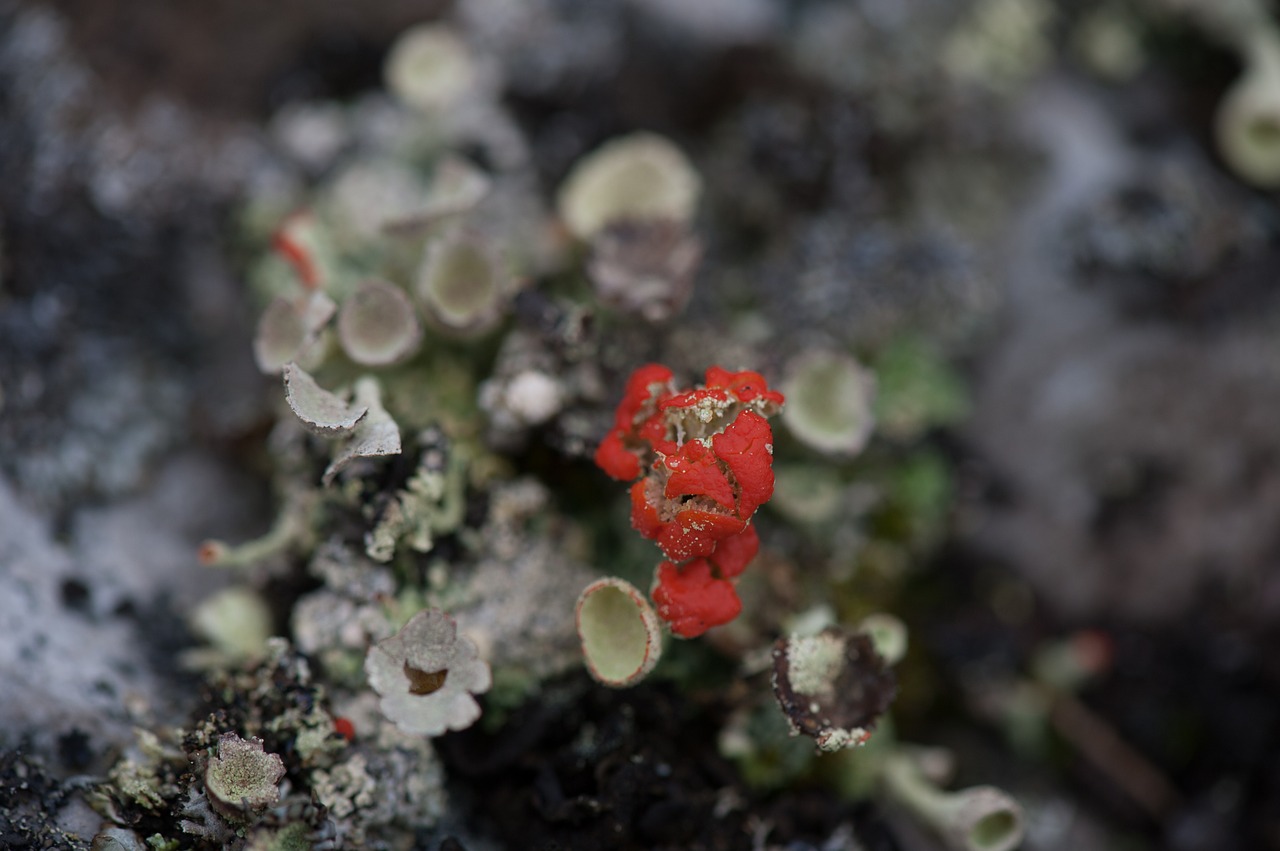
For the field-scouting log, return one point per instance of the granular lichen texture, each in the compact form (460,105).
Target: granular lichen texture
(243,778)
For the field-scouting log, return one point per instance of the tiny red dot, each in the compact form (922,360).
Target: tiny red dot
(343,727)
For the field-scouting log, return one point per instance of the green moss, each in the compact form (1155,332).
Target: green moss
(918,390)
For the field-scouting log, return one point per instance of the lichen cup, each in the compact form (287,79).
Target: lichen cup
(621,634)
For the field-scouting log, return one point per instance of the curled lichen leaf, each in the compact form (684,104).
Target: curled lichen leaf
(426,675)
(377,324)
(243,778)
(320,411)
(375,436)
(620,632)
(832,686)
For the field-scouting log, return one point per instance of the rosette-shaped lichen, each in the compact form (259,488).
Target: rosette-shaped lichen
(426,675)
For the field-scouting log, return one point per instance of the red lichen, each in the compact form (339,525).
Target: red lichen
(696,471)
(701,463)
(695,532)
(635,428)
(732,555)
(344,728)
(286,241)
(746,448)
(746,385)
(692,599)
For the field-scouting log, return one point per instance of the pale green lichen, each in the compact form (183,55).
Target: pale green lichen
(377,325)
(430,68)
(642,176)
(289,330)
(815,661)
(345,788)
(981,818)
(1001,43)
(432,501)
(918,390)
(829,402)
(621,634)
(462,285)
(235,621)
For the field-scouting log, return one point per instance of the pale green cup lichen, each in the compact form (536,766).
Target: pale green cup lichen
(621,634)
(981,818)
(377,324)
(461,284)
(1247,123)
(430,67)
(829,402)
(636,177)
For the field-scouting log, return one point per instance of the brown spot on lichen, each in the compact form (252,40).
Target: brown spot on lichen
(424,682)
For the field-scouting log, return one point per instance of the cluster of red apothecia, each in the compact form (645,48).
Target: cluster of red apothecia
(702,463)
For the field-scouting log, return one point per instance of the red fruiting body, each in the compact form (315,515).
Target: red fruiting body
(287,243)
(344,728)
(701,462)
(732,555)
(695,471)
(618,453)
(692,600)
(746,447)
(746,385)
(615,460)
(694,532)
(644,517)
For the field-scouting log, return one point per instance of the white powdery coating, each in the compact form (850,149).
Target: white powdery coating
(814,662)
(534,397)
